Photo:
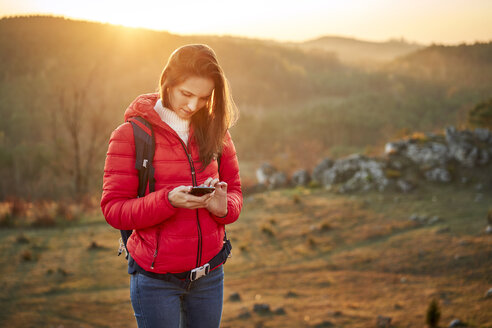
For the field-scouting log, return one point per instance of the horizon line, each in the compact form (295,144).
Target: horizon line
(239,36)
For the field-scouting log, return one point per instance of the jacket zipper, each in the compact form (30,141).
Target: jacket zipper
(193,178)
(156,249)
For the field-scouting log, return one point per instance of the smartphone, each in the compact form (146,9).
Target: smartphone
(201,190)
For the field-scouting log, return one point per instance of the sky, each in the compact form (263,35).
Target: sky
(422,21)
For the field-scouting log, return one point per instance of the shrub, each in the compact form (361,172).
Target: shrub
(481,115)
(433,314)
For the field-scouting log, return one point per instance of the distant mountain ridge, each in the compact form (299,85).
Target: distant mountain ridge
(351,50)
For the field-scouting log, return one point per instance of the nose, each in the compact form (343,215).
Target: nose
(192,104)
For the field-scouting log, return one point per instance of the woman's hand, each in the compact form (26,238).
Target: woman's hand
(217,205)
(180,197)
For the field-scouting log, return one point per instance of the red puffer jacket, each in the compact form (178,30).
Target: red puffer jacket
(174,239)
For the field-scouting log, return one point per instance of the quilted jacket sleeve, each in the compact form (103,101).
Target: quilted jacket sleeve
(229,172)
(119,203)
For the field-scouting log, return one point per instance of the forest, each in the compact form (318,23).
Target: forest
(64,86)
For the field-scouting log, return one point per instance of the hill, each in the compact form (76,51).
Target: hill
(65,84)
(462,65)
(353,51)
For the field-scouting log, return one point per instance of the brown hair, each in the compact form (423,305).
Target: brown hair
(209,124)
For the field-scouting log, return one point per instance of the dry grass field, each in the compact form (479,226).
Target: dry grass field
(317,259)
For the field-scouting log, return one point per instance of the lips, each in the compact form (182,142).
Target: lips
(188,112)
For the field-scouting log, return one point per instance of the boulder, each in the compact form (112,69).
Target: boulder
(319,170)
(456,323)
(264,172)
(438,174)
(301,178)
(395,147)
(278,180)
(483,135)
(429,154)
(235,297)
(383,322)
(404,186)
(262,309)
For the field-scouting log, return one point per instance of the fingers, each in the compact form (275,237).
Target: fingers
(211,182)
(180,197)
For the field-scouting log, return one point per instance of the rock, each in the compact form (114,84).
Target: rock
(264,172)
(483,134)
(279,311)
(383,322)
(434,219)
(245,314)
(235,297)
(456,323)
(262,309)
(301,178)
(278,180)
(478,198)
(404,186)
(488,230)
(392,148)
(488,294)
(319,170)
(356,172)
(438,174)
(422,218)
(291,294)
(428,154)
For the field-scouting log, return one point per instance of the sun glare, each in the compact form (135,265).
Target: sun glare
(286,20)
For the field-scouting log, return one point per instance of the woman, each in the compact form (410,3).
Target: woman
(176,235)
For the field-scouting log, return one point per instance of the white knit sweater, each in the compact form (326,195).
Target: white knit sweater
(182,127)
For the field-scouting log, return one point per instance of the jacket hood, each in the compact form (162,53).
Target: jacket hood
(143,106)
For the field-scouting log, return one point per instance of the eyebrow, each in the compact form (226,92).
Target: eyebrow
(188,91)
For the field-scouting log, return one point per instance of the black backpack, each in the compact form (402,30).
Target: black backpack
(144,156)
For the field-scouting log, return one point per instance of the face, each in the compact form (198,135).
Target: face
(189,97)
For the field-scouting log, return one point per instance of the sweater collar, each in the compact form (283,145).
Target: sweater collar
(171,118)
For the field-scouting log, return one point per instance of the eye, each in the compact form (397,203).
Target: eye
(186,94)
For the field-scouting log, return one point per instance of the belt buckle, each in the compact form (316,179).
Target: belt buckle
(199,272)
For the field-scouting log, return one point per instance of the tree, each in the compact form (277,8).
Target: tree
(78,124)
(481,115)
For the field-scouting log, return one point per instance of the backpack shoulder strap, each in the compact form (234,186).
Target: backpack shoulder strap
(143,135)
(144,153)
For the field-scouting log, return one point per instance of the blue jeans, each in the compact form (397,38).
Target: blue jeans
(159,303)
